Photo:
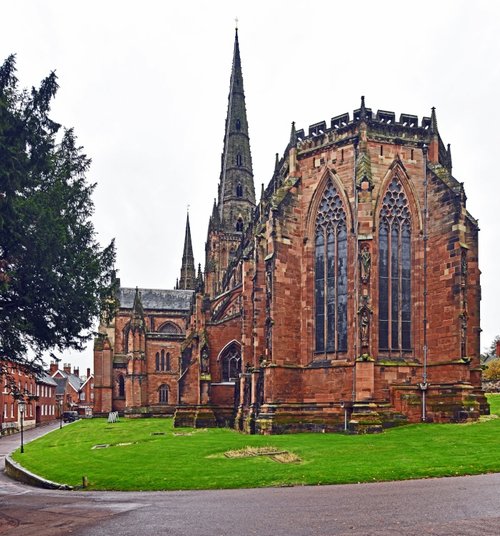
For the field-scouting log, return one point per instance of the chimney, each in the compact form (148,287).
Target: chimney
(67,368)
(53,368)
(76,371)
(88,373)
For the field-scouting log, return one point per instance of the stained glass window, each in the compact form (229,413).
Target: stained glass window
(331,273)
(395,271)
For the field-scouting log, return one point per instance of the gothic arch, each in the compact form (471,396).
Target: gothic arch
(328,176)
(398,171)
(230,361)
(170,328)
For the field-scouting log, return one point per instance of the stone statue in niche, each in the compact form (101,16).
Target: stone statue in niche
(204,360)
(365,263)
(364,326)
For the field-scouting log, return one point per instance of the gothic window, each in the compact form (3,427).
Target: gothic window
(163,394)
(169,328)
(239,190)
(331,273)
(238,124)
(157,361)
(239,160)
(239,225)
(230,362)
(121,386)
(395,271)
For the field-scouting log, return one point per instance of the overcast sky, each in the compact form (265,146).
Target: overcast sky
(145,86)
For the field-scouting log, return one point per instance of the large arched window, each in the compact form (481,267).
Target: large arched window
(230,362)
(163,394)
(395,271)
(331,273)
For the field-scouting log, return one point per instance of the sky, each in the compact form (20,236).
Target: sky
(145,86)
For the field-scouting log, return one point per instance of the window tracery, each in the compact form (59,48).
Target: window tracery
(395,270)
(231,363)
(331,273)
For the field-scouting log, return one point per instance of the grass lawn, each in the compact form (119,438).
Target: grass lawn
(194,459)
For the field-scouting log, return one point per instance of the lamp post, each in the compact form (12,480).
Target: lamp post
(21,406)
(60,402)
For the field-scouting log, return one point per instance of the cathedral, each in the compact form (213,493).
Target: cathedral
(346,298)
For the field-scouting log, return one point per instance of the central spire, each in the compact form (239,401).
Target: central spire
(236,189)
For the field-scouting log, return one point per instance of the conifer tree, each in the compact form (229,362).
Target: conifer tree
(54,277)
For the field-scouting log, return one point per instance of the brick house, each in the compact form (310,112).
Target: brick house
(86,402)
(46,404)
(351,288)
(10,416)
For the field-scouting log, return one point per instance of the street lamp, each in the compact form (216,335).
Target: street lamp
(21,406)
(60,402)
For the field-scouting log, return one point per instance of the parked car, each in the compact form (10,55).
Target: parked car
(70,416)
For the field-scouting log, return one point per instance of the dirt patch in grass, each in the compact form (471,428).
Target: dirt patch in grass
(278,455)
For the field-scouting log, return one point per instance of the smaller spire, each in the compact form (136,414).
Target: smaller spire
(434,124)
(186,281)
(362,109)
(199,280)
(215,215)
(293,136)
(276,162)
(450,164)
(137,309)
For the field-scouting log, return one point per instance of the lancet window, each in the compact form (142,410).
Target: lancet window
(162,361)
(121,386)
(395,271)
(330,285)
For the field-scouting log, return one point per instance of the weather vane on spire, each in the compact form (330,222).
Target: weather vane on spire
(236,23)
(188,208)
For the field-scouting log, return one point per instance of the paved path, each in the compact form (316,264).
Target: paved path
(447,506)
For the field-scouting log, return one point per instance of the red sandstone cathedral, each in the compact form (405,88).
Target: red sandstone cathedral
(346,298)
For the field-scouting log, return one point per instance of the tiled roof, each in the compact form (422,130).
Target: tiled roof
(43,377)
(160,299)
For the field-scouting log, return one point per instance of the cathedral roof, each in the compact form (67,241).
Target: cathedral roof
(172,300)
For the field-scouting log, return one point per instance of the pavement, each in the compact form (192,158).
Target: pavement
(446,506)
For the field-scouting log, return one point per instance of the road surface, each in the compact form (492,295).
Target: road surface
(444,506)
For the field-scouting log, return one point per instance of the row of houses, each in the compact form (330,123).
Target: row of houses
(46,396)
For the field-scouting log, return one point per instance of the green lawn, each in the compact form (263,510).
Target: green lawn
(196,459)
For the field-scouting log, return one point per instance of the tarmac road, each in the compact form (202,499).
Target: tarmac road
(445,506)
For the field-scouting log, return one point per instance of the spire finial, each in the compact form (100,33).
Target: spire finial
(236,24)
(434,124)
